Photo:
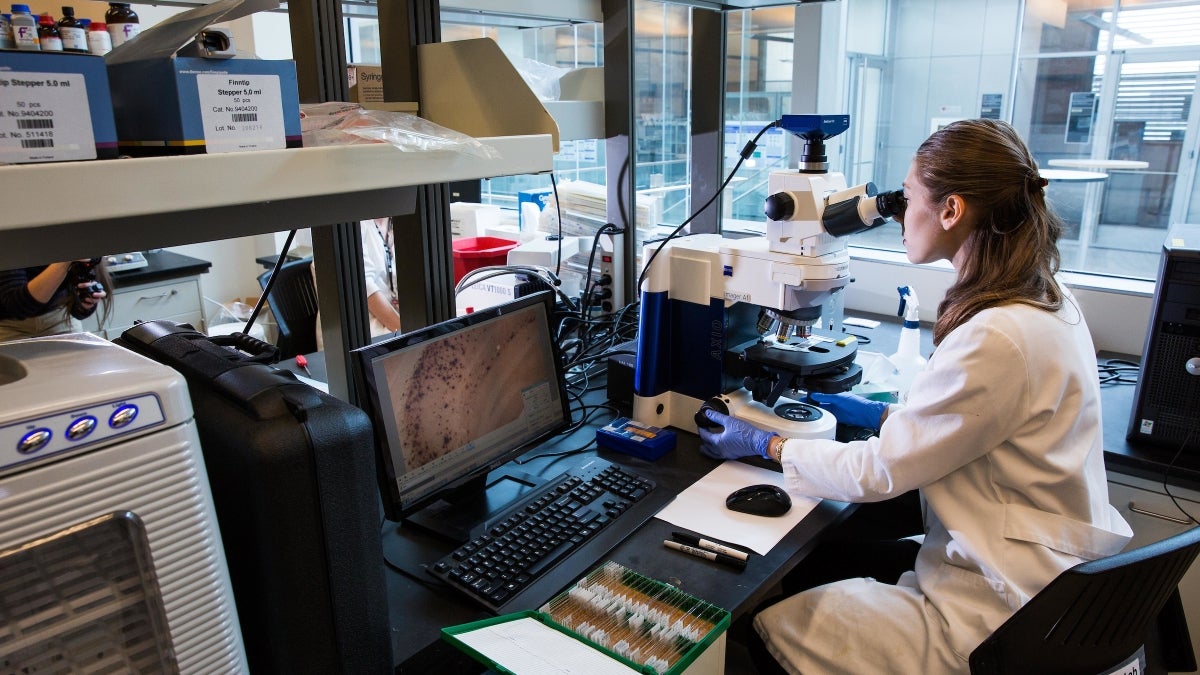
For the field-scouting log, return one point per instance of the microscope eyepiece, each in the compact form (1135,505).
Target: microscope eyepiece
(891,204)
(861,212)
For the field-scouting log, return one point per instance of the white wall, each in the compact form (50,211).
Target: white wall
(945,55)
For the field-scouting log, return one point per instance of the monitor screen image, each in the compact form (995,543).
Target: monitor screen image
(457,399)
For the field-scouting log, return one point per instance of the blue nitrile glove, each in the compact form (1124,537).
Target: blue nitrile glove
(736,438)
(851,409)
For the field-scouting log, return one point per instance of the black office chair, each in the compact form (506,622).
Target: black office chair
(293,302)
(1094,616)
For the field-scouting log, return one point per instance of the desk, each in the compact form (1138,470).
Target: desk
(1102,164)
(1073,175)
(418,612)
(168,287)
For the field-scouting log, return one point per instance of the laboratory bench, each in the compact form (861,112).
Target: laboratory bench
(167,287)
(419,609)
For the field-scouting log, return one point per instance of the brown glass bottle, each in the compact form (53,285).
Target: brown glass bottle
(122,23)
(72,32)
(48,34)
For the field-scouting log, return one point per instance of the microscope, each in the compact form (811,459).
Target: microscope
(749,325)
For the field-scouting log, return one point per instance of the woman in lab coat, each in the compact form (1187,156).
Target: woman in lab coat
(379,274)
(50,299)
(1001,432)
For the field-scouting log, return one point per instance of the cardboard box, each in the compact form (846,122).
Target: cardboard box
(54,107)
(468,219)
(173,98)
(366,83)
(366,89)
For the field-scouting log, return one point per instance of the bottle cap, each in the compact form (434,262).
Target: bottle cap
(98,25)
(84,23)
(20,8)
(45,20)
(68,11)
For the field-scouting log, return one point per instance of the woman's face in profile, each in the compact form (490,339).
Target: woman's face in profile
(924,238)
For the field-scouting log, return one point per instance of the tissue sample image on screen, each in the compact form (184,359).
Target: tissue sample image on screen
(439,395)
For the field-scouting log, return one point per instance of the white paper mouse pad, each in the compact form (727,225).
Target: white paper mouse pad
(701,508)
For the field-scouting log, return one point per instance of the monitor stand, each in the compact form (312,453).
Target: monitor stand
(455,513)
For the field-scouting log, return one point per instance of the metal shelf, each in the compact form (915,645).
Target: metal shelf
(135,204)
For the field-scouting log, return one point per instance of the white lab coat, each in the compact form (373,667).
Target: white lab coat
(1002,434)
(377,267)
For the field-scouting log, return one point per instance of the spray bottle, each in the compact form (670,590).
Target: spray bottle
(908,359)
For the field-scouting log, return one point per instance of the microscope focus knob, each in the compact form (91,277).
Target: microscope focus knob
(1193,366)
(780,206)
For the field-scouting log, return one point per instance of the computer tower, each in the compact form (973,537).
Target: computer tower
(1166,407)
(293,479)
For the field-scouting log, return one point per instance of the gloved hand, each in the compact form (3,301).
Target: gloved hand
(851,409)
(736,439)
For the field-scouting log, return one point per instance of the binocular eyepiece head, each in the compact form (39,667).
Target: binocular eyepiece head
(863,211)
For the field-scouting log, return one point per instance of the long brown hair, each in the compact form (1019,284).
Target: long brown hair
(1011,253)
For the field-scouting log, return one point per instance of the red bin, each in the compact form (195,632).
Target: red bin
(474,252)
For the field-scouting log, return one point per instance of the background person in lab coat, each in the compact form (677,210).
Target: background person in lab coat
(50,299)
(379,277)
(1001,433)
(378,246)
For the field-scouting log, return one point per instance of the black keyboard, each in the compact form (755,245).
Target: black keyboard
(525,554)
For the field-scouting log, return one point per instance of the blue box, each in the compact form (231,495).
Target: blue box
(539,197)
(192,105)
(634,438)
(54,107)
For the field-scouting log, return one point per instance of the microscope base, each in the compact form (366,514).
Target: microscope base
(789,418)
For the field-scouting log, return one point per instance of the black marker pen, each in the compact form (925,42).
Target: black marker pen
(730,561)
(709,545)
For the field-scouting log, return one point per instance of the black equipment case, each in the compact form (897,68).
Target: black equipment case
(292,471)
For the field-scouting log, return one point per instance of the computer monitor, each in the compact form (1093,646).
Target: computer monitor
(454,401)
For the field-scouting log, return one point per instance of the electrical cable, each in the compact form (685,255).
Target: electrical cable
(561,454)
(745,154)
(558,211)
(262,299)
(1167,473)
(484,273)
(1117,371)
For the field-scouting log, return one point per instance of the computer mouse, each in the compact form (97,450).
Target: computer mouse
(759,500)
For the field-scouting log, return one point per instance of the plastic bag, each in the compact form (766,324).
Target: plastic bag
(542,79)
(338,123)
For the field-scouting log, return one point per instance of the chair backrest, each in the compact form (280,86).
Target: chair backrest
(1093,616)
(293,302)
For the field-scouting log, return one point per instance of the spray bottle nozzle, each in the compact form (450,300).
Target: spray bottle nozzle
(909,306)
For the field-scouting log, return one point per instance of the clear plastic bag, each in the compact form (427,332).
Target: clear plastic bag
(542,79)
(337,123)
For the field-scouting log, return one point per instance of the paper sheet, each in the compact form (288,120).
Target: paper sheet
(701,508)
(529,647)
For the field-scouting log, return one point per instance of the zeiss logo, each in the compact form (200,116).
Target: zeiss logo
(727,270)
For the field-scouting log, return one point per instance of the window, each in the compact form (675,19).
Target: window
(1118,107)
(1102,95)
